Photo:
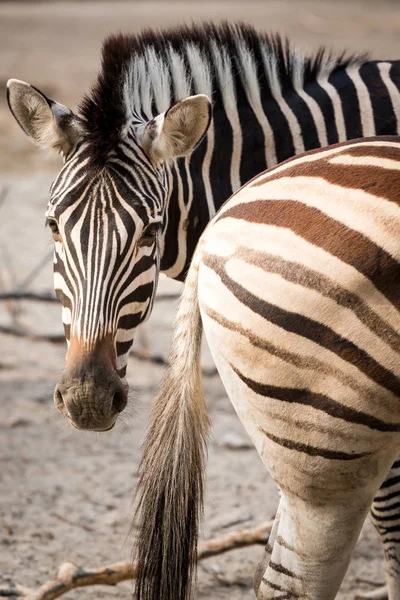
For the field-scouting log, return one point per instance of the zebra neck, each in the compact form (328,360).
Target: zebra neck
(359,100)
(200,184)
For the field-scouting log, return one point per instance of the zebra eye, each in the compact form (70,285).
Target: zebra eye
(150,233)
(54,229)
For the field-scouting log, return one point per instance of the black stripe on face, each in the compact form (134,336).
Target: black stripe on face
(140,295)
(312,450)
(123,347)
(129,322)
(317,401)
(122,372)
(109,281)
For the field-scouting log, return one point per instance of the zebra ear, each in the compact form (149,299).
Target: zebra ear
(178,131)
(47,123)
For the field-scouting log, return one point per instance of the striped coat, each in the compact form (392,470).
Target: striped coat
(296,281)
(147,166)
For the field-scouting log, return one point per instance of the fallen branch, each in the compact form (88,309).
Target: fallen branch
(30,278)
(381,593)
(3,194)
(156,359)
(70,576)
(60,339)
(35,337)
(73,523)
(18,294)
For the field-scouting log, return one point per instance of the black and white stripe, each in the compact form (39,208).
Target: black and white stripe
(269,102)
(104,278)
(296,282)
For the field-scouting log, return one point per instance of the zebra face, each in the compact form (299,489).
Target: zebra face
(106,223)
(106,265)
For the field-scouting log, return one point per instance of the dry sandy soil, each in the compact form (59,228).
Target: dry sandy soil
(67,495)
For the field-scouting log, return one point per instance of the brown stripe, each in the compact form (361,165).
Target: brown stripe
(382,182)
(287,595)
(387,152)
(317,228)
(347,146)
(317,401)
(308,278)
(313,450)
(308,328)
(268,548)
(281,542)
(281,569)
(385,518)
(302,362)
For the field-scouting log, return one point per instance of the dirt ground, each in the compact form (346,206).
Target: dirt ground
(66,495)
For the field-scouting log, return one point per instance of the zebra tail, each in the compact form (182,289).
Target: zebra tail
(171,473)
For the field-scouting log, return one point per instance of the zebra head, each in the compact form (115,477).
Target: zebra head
(106,219)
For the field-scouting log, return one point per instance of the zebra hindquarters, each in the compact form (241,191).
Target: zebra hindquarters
(297,289)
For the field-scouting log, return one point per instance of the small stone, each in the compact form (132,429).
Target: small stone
(212,568)
(20,422)
(234,441)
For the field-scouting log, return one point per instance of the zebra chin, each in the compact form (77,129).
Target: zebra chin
(90,392)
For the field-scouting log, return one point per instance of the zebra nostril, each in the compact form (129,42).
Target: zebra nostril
(58,399)
(119,402)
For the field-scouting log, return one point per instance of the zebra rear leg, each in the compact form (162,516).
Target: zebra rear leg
(385,513)
(311,550)
(263,564)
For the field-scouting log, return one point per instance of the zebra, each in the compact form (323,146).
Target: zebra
(147,164)
(296,284)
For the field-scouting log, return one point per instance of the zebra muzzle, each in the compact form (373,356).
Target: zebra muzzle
(89,405)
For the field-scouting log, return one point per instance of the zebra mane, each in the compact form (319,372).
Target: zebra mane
(142,75)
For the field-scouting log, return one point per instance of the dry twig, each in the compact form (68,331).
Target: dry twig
(381,593)
(156,359)
(19,294)
(3,194)
(70,576)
